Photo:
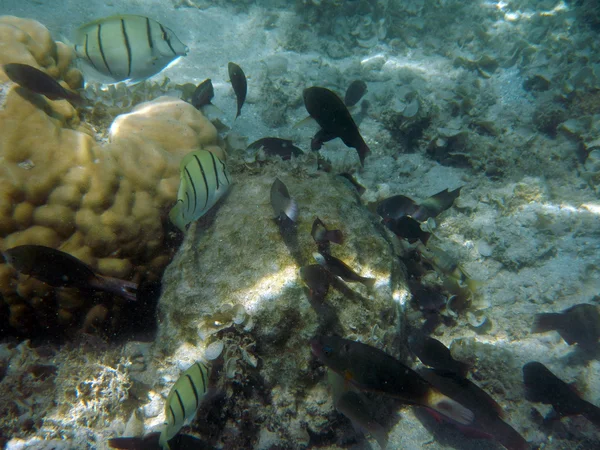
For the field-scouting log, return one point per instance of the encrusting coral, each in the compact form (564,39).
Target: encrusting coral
(104,204)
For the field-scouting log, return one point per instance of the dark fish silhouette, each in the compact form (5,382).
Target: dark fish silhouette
(399,206)
(322,236)
(150,442)
(355,92)
(317,279)
(340,269)
(39,82)
(488,421)
(276,146)
(239,84)
(407,228)
(283,205)
(203,94)
(59,269)
(578,324)
(334,119)
(545,387)
(434,354)
(369,369)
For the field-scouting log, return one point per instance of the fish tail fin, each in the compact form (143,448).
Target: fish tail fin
(363,150)
(449,408)
(291,210)
(122,288)
(545,322)
(380,435)
(335,236)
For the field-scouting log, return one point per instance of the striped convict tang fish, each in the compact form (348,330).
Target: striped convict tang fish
(183,401)
(127,47)
(204,180)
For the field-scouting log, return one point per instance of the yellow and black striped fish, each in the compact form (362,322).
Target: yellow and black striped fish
(127,47)
(204,180)
(183,401)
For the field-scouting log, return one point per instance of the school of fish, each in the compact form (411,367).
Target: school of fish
(132,48)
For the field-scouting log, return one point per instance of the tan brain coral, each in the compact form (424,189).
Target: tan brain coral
(105,204)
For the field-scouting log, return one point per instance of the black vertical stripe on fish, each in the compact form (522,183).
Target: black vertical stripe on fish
(215,169)
(87,54)
(202,375)
(172,413)
(127,47)
(193,389)
(187,197)
(165,36)
(181,404)
(224,172)
(205,182)
(193,187)
(101,49)
(149,34)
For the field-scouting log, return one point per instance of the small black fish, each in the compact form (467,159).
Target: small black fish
(334,119)
(340,269)
(39,82)
(407,228)
(203,94)
(434,354)
(399,206)
(283,205)
(317,279)
(239,84)
(579,324)
(59,269)
(429,299)
(322,235)
(545,387)
(276,146)
(355,92)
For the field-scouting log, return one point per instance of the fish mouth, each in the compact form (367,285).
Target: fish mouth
(315,347)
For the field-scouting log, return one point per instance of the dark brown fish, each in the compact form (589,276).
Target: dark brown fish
(334,119)
(39,82)
(317,279)
(399,206)
(282,203)
(579,324)
(488,421)
(203,94)
(369,369)
(355,92)
(434,354)
(59,269)
(322,235)
(545,387)
(239,84)
(276,146)
(340,269)
(407,228)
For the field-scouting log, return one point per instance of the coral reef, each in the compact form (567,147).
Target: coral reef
(104,204)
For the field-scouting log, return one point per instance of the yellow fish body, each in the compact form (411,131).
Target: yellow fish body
(127,47)
(183,401)
(204,180)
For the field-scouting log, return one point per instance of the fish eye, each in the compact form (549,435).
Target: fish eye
(327,350)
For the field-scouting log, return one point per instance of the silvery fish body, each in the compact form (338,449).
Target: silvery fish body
(128,47)
(204,180)
(183,401)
